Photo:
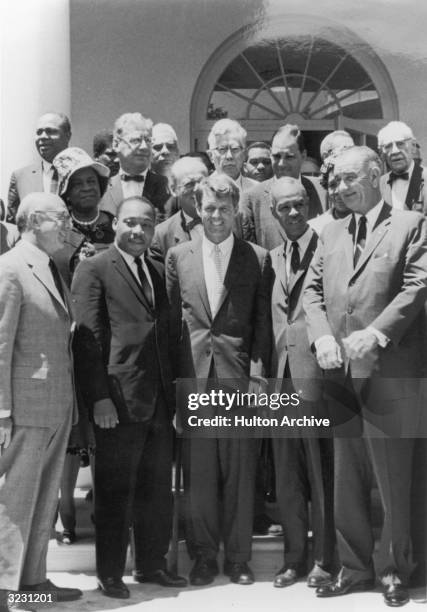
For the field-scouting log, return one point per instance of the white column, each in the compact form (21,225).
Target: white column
(35,75)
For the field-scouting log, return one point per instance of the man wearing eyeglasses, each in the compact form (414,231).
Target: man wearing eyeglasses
(37,404)
(132,141)
(227,150)
(404,186)
(184,225)
(287,155)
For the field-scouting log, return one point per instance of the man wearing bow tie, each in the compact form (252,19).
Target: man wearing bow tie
(404,186)
(219,289)
(132,141)
(123,315)
(184,225)
(364,302)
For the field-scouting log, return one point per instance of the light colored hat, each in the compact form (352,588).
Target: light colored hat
(72,159)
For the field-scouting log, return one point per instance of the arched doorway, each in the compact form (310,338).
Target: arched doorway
(290,70)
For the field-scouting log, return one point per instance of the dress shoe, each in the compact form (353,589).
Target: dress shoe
(163,577)
(286,577)
(318,577)
(113,587)
(59,593)
(239,572)
(203,572)
(261,525)
(68,536)
(395,592)
(343,585)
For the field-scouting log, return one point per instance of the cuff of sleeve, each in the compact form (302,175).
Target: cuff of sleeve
(382,339)
(5,414)
(318,343)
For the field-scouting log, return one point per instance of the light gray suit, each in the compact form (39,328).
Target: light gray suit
(36,386)
(22,182)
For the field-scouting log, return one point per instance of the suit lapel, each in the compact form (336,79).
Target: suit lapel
(116,191)
(123,269)
(304,263)
(43,274)
(199,276)
(414,187)
(377,235)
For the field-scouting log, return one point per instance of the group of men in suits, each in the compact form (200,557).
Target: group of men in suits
(342,312)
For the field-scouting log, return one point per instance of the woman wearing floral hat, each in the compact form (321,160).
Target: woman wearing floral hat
(81,184)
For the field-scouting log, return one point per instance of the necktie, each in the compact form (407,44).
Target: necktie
(218,286)
(145,285)
(138,178)
(393,177)
(361,240)
(295,258)
(54,181)
(56,278)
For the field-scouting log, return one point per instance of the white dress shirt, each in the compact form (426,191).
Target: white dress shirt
(303,242)
(132,188)
(130,260)
(47,172)
(210,270)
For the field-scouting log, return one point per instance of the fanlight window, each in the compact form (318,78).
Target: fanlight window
(297,78)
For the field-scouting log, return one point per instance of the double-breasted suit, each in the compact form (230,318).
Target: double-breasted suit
(125,355)
(386,290)
(234,343)
(303,466)
(36,389)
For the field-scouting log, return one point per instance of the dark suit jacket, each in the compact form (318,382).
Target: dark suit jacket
(290,339)
(123,341)
(259,225)
(387,290)
(23,181)
(167,234)
(155,189)
(416,197)
(237,340)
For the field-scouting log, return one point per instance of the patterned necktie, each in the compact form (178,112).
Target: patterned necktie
(218,281)
(56,278)
(145,285)
(361,240)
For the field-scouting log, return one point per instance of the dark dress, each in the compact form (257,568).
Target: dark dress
(83,241)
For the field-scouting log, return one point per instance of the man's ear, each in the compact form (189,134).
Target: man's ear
(375,175)
(114,223)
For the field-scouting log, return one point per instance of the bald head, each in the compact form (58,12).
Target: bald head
(43,219)
(357,172)
(396,142)
(289,205)
(53,133)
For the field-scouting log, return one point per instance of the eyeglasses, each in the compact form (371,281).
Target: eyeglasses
(59,217)
(224,150)
(400,144)
(135,142)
